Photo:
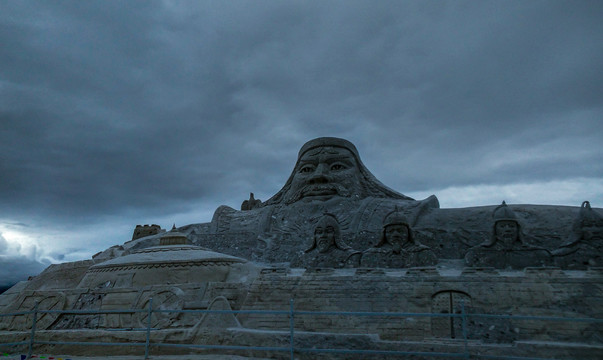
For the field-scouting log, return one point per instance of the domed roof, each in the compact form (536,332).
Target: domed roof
(173,237)
(167,256)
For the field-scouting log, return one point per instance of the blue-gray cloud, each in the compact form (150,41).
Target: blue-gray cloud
(3,244)
(142,109)
(17,268)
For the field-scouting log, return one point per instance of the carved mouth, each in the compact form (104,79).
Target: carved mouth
(319,190)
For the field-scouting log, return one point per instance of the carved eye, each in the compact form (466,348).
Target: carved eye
(306,169)
(336,167)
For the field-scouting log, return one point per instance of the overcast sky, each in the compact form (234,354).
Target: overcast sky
(114,114)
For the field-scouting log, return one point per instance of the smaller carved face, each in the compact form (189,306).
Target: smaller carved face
(324,235)
(396,235)
(507,231)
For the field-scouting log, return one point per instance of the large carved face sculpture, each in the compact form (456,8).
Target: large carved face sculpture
(323,173)
(507,231)
(325,233)
(396,235)
(329,168)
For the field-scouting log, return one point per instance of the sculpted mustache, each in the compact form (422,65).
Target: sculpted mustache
(337,187)
(339,190)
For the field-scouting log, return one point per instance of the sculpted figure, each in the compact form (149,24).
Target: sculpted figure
(585,245)
(327,250)
(397,247)
(329,167)
(328,177)
(506,247)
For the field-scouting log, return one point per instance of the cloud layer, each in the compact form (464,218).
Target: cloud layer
(113,113)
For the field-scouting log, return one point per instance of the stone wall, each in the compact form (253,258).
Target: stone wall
(531,292)
(534,291)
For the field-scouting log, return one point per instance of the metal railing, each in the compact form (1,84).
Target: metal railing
(291,314)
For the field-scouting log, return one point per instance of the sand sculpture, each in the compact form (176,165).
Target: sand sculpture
(507,247)
(585,246)
(397,247)
(327,249)
(334,237)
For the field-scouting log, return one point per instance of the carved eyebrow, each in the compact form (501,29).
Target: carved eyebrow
(340,159)
(303,164)
(315,160)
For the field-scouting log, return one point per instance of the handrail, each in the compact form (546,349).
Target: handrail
(304,312)
(291,314)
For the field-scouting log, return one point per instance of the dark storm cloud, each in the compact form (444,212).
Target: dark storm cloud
(18,268)
(156,107)
(81,124)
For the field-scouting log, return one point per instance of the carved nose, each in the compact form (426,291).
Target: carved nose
(321,174)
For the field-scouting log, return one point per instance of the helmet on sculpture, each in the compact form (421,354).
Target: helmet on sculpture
(394,218)
(588,216)
(589,224)
(506,227)
(503,212)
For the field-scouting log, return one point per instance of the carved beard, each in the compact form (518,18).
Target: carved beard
(337,189)
(507,240)
(396,247)
(324,245)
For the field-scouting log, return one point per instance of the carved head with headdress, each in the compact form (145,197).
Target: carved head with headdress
(589,224)
(396,231)
(327,235)
(506,229)
(327,167)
